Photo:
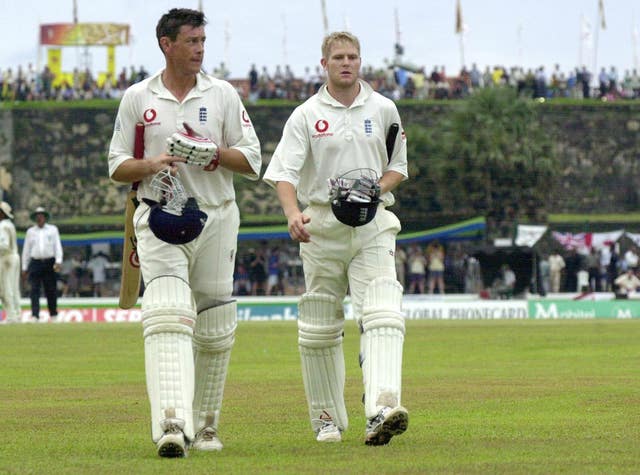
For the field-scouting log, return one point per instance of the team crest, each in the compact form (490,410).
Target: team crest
(368,127)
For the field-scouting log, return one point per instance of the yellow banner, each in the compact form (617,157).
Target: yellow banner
(84,34)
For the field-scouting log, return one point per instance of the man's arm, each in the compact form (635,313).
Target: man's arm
(295,218)
(389,181)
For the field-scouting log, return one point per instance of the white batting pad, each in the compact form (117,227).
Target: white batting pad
(381,344)
(167,321)
(320,344)
(212,342)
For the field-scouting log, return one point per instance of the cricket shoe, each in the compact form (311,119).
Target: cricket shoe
(328,432)
(388,422)
(207,440)
(173,443)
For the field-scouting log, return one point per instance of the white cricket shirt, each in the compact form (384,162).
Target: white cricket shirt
(212,108)
(324,139)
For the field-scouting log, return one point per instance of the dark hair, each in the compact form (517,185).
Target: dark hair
(170,23)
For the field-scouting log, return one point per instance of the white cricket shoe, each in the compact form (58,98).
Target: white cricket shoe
(173,443)
(207,440)
(328,432)
(387,423)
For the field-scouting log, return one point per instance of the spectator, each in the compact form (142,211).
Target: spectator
(97,265)
(556,266)
(401,265)
(417,263)
(435,262)
(626,283)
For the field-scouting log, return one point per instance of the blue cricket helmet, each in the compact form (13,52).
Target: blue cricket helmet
(174,228)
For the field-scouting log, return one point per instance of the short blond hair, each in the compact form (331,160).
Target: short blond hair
(338,37)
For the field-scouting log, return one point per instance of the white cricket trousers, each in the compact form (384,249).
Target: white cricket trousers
(206,263)
(341,257)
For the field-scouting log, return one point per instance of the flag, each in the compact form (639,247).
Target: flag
(603,23)
(459,25)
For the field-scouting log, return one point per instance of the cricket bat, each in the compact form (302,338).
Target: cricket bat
(130,279)
(392,134)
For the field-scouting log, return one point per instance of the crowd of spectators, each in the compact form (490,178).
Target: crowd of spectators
(393,81)
(607,269)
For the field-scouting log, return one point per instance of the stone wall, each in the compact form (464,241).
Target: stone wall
(57,157)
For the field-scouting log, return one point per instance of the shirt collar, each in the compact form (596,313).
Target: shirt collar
(203,82)
(363,95)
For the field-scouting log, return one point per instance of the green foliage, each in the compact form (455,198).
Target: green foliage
(497,153)
(483,396)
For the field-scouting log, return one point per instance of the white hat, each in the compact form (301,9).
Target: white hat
(6,209)
(39,210)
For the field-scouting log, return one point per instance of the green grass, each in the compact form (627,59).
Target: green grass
(484,397)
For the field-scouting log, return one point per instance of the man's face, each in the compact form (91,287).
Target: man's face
(187,51)
(40,219)
(342,65)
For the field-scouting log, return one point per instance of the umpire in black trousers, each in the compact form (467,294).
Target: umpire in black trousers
(41,261)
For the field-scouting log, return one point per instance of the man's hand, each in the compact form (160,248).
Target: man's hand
(297,230)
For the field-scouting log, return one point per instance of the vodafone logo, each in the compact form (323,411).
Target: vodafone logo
(245,117)
(149,115)
(322,126)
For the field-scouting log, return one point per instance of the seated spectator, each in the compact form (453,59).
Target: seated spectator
(626,283)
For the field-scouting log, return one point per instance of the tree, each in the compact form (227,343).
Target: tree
(489,157)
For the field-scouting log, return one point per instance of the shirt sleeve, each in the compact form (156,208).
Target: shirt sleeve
(58,245)
(26,250)
(121,147)
(290,154)
(240,134)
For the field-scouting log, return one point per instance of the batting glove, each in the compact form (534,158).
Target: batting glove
(198,151)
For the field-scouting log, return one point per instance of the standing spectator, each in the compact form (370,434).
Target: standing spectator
(631,258)
(9,265)
(401,265)
(556,266)
(97,265)
(603,82)
(253,84)
(417,263)
(545,276)
(257,271)
(573,264)
(275,285)
(71,273)
(435,263)
(593,270)
(41,261)
(612,267)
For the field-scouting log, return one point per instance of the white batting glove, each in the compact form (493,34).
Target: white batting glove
(198,151)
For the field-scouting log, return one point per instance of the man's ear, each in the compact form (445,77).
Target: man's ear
(165,42)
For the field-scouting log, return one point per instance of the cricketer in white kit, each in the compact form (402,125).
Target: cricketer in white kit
(188,316)
(342,129)
(9,265)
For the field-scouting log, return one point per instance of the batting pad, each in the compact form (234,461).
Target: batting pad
(167,321)
(212,342)
(323,372)
(381,344)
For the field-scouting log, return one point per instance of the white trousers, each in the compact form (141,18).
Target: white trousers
(341,258)
(206,263)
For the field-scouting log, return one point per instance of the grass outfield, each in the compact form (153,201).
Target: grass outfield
(483,397)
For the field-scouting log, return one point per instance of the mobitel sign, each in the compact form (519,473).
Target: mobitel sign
(572,309)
